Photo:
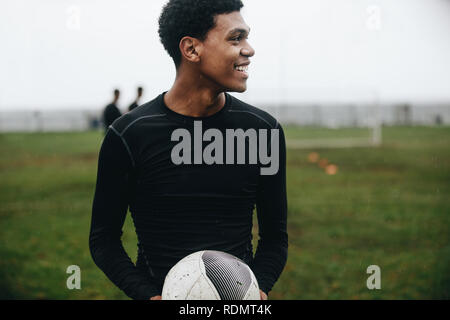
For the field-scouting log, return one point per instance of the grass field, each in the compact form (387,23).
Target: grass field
(386,206)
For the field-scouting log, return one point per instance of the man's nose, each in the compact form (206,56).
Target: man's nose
(248,51)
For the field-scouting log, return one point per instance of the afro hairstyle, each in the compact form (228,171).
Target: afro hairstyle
(193,18)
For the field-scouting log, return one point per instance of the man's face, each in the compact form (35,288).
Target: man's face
(226,52)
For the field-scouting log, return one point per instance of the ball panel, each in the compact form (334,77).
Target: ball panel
(182,277)
(203,290)
(229,275)
(253,291)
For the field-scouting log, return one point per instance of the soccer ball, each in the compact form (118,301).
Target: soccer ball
(210,275)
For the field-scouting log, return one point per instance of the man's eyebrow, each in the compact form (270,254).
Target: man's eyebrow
(239,30)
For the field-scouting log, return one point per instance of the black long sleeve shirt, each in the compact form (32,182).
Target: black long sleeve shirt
(178,209)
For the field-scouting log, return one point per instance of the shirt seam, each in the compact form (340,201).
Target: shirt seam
(140,118)
(125,144)
(256,115)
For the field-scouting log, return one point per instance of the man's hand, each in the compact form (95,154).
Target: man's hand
(155,298)
(263,295)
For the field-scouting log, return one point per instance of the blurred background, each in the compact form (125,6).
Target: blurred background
(361,87)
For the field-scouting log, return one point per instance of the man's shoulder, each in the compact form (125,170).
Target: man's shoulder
(147,110)
(111,106)
(252,113)
(133,106)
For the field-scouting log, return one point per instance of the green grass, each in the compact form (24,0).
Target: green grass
(386,206)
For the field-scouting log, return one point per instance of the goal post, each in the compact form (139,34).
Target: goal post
(353,118)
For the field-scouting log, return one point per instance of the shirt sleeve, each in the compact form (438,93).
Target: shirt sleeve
(271,253)
(109,210)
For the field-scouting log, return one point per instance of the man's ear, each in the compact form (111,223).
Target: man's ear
(191,49)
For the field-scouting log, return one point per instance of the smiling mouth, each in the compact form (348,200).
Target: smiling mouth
(242,69)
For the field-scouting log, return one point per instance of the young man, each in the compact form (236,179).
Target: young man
(111,112)
(135,103)
(185,199)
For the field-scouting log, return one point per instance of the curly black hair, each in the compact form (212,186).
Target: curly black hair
(194,18)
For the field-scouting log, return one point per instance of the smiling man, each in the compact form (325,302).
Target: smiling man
(180,207)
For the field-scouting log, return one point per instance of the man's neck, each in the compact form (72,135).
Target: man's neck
(190,98)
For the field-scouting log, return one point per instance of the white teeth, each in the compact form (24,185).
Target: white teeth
(242,68)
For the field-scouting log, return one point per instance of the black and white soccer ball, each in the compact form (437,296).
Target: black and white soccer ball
(210,275)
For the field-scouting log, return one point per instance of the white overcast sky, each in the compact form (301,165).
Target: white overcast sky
(66,54)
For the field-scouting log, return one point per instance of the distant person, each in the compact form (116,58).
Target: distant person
(111,112)
(136,102)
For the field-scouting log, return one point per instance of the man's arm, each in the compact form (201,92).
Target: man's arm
(108,215)
(271,253)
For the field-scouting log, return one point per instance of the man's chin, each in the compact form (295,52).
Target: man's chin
(240,89)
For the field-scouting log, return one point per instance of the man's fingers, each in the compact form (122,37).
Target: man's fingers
(263,295)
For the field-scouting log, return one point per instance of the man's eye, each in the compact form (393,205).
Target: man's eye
(238,38)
